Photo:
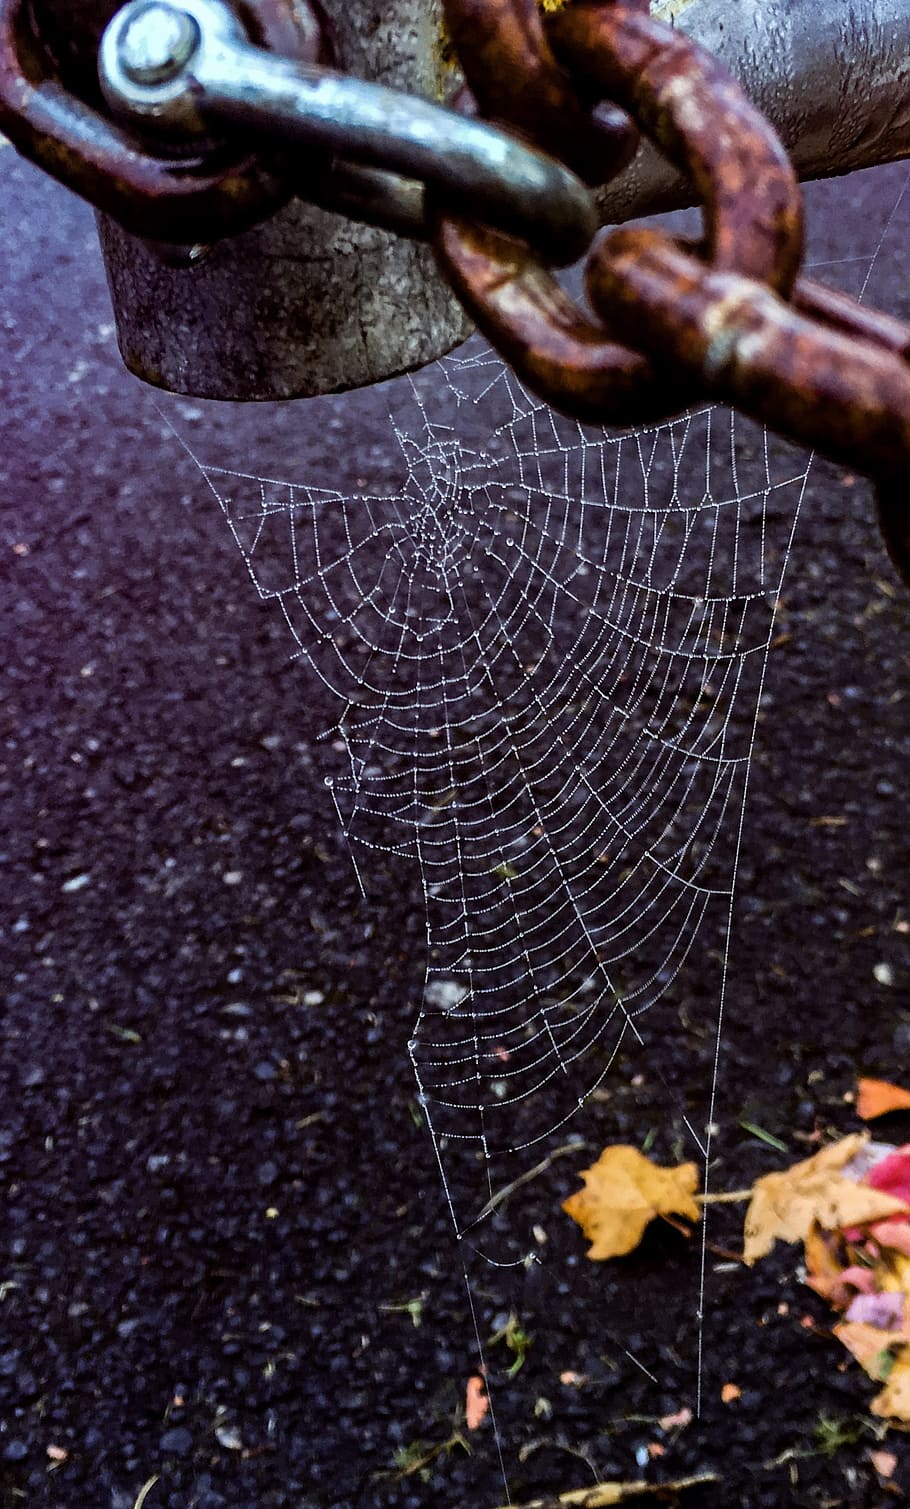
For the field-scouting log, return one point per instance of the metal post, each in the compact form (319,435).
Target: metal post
(312,302)
(309,302)
(834,79)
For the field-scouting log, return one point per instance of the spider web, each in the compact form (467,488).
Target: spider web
(546,645)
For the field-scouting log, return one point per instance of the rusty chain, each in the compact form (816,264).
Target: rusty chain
(552,102)
(731,319)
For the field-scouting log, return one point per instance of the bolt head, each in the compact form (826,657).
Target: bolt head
(157,43)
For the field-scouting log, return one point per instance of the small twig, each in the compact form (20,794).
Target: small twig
(145,1490)
(725,1253)
(309,1121)
(532,1173)
(683,1227)
(727,1197)
(604,1494)
(427,1458)
(685,1230)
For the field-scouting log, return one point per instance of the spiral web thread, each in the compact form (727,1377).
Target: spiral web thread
(546,647)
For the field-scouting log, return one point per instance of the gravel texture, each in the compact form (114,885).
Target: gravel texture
(219,1204)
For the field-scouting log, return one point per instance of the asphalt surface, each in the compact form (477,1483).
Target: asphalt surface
(226,1262)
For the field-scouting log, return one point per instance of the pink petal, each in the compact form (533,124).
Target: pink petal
(859,1278)
(886,1311)
(893,1233)
(892,1174)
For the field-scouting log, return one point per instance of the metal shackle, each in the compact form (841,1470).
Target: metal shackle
(309,301)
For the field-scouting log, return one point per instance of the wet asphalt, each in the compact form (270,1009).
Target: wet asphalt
(225,1261)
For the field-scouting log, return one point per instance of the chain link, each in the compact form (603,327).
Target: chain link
(516,78)
(552,102)
(729,319)
(679,95)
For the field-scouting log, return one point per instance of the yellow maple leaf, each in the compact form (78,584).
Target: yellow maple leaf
(623,1192)
(784,1205)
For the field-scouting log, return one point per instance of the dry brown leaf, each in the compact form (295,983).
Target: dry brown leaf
(893,1403)
(785,1205)
(825,1266)
(872,1347)
(476,1403)
(877,1097)
(623,1192)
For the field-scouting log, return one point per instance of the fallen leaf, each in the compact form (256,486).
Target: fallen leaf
(825,1271)
(872,1347)
(785,1205)
(893,1403)
(624,1191)
(884,1462)
(476,1403)
(730,1393)
(877,1097)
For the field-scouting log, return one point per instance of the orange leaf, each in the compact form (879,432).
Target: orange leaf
(623,1192)
(476,1403)
(876,1097)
